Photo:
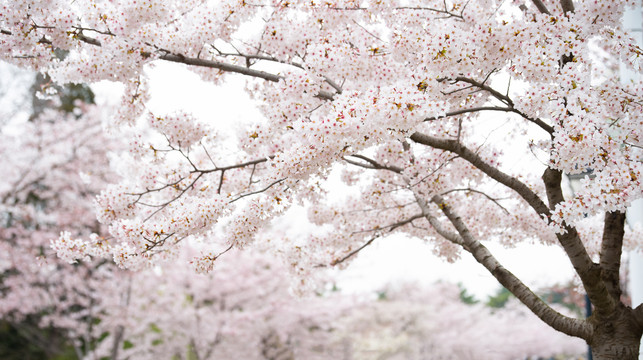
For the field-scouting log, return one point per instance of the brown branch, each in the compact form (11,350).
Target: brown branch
(390,227)
(511,182)
(322,94)
(567,325)
(492,199)
(481,85)
(372,164)
(638,314)
(503,98)
(333,84)
(611,250)
(568,6)
(258,191)
(354,252)
(470,110)
(435,223)
(200,173)
(570,241)
(541,7)
(221,66)
(446,12)
(587,270)
(165,204)
(236,166)
(178,58)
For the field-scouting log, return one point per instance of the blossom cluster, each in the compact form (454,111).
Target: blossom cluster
(347,85)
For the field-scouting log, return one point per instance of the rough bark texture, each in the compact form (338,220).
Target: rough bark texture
(616,337)
(611,251)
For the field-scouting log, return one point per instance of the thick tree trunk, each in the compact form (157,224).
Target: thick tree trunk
(617,338)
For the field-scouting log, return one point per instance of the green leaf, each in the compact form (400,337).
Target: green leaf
(155,328)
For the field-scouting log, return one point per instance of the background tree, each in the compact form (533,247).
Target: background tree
(395,92)
(49,153)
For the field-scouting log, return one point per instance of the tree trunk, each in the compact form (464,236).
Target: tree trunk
(617,337)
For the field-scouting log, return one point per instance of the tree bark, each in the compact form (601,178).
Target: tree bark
(617,337)
(611,251)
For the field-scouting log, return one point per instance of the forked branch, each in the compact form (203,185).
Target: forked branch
(587,270)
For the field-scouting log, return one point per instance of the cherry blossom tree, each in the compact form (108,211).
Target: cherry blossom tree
(241,310)
(411,322)
(223,315)
(451,121)
(48,160)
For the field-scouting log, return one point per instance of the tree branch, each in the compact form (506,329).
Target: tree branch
(568,6)
(372,164)
(587,270)
(178,58)
(541,7)
(503,98)
(570,241)
(221,66)
(258,191)
(470,110)
(354,252)
(567,325)
(492,199)
(481,85)
(390,228)
(638,314)
(455,147)
(435,223)
(611,250)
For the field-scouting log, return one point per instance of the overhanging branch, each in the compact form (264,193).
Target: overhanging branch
(567,325)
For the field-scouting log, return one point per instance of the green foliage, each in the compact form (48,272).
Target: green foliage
(191,354)
(499,300)
(157,342)
(155,328)
(68,95)
(32,343)
(127,345)
(565,297)
(68,354)
(72,92)
(465,297)
(14,346)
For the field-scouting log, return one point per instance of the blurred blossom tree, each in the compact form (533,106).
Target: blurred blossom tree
(47,156)
(451,121)
(411,322)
